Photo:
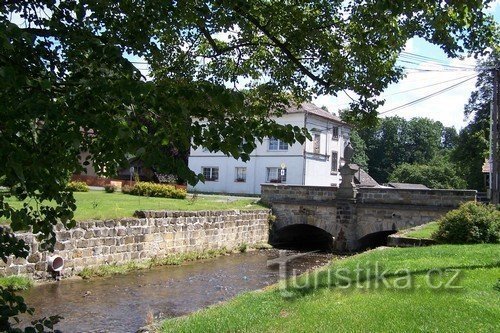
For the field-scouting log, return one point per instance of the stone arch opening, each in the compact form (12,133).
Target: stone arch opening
(375,239)
(303,237)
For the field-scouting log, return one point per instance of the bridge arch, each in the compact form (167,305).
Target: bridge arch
(302,237)
(375,239)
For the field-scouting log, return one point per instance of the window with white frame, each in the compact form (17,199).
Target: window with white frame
(275,175)
(335,163)
(277,144)
(317,143)
(240,174)
(211,173)
(335,133)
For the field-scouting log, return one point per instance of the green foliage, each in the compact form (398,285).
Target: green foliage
(16,282)
(109,188)
(473,141)
(77,187)
(168,260)
(395,141)
(243,248)
(438,174)
(360,157)
(157,190)
(127,189)
(471,223)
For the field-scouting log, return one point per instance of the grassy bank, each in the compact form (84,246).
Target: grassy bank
(101,205)
(16,282)
(406,302)
(173,259)
(424,231)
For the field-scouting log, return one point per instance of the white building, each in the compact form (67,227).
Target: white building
(316,162)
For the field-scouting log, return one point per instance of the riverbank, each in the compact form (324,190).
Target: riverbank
(168,260)
(127,302)
(445,288)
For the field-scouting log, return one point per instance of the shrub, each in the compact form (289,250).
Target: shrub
(77,187)
(127,189)
(109,188)
(157,190)
(471,223)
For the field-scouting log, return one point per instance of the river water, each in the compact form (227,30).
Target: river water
(124,303)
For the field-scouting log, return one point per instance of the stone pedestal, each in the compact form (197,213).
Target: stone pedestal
(347,188)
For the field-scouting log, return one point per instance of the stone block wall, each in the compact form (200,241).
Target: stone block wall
(151,234)
(272,193)
(440,198)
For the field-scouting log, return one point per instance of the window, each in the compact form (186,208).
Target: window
(335,165)
(241,175)
(317,143)
(275,175)
(211,174)
(335,133)
(277,144)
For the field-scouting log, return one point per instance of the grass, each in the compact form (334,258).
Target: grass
(16,282)
(424,231)
(102,205)
(328,303)
(173,259)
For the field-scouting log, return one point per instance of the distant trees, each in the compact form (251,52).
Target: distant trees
(473,141)
(439,173)
(396,141)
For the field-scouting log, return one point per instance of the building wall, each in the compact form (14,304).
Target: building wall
(303,166)
(154,234)
(318,170)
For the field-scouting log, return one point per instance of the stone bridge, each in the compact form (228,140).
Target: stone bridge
(348,218)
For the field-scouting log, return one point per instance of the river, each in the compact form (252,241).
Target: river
(124,303)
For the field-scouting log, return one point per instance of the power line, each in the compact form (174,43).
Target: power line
(437,62)
(431,85)
(417,88)
(427,96)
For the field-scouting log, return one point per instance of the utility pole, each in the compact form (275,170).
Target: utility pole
(494,142)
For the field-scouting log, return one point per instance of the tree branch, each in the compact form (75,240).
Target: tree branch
(284,49)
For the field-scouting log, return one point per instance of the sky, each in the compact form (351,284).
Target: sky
(446,107)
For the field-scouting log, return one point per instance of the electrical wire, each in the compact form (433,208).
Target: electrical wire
(427,96)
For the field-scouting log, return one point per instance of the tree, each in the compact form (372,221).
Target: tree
(473,140)
(395,141)
(68,84)
(439,173)
(360,157)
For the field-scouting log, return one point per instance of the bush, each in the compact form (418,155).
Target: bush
(471,223)
(127,189)
(109,188)
(77,187)
(156,190)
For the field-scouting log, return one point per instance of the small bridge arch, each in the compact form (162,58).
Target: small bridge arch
(302,237)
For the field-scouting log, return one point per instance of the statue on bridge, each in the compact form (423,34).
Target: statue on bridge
(347,188)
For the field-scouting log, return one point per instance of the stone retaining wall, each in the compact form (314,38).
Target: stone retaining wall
(151,234)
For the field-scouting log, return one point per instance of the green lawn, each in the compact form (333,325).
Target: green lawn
(424,231)
(329,307)
(102,205)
